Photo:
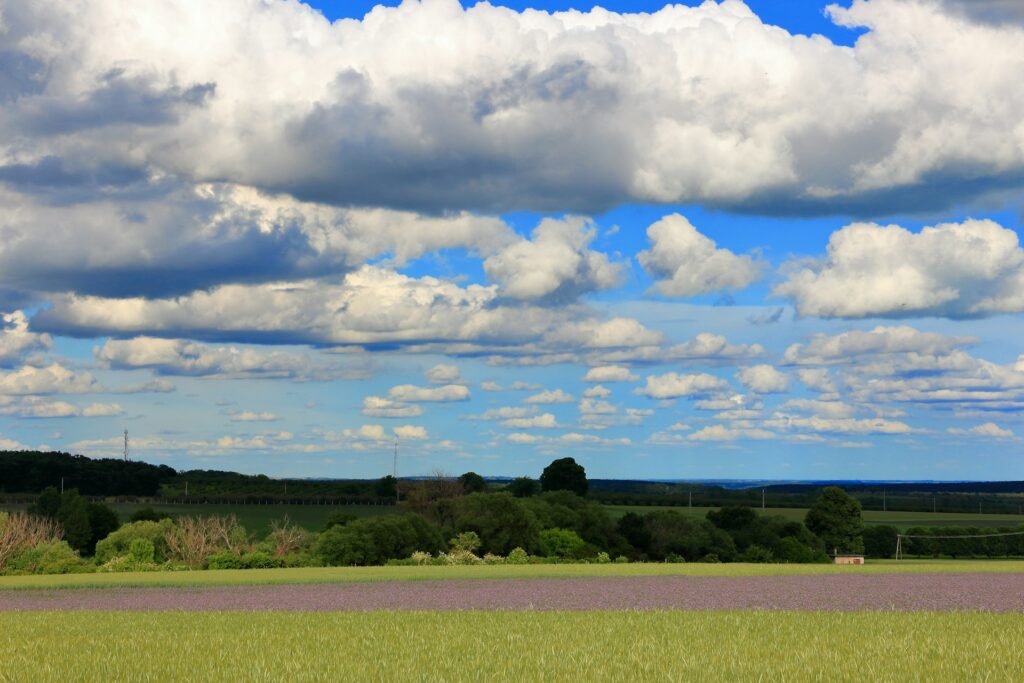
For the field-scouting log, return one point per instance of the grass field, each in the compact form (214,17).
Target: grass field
(902,520)
(361,574)
(484,646)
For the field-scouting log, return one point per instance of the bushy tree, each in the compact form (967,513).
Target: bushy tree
(118,543)
(102,522)
(148,515)
(836,519)
(588,518)
(674,533)
(501,521)
(523,487)
(472,483)
(564,474)
(73,515)
(563,543)
(386,487)
(375,540)
(339,518)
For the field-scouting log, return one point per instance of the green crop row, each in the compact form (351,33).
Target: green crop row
(520,646)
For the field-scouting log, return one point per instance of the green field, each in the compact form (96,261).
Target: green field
(486,646)
(255,518)
(902,520)
(363,574)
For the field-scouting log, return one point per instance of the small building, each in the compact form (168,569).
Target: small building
(847,558)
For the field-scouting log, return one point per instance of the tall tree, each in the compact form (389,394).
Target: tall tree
(836,518)
(473,483)
(564,474)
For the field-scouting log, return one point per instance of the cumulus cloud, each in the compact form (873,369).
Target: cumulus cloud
(414,394)
(16,339)
(763,379)
(410,432)
(51,379)
(705,347)
(444,374)
(888,271)
(610,373)
(192,359)
(597,391)
(675,385)
(554,264)
(36,407)
(543,421)
(493,109)
(688,263)
(549,396)
(988,429)
(722,433)
(378,406)
(848,346)
(254,416)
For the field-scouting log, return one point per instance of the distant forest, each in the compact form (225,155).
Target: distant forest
(29,472)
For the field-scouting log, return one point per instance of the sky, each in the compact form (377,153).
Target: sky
(724,240)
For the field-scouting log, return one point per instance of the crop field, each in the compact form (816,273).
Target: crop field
(234,577)
(497,645)
(902,520)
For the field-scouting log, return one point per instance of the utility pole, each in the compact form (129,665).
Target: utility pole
(883,500)
(186,488)
(933,505)
(762,499)
(126,445)
(691,497)
(62,486)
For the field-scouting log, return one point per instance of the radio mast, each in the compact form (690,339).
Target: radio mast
(126,445)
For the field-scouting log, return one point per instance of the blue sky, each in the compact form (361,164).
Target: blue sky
(695,243)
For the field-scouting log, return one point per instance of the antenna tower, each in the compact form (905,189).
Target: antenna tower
(394,469)
(126,445)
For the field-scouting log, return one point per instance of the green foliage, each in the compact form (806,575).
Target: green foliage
(119,542)
(880,541)
(55,557)
(257,559)
(756,553)
(563,543)
(102,522)
(523,487)
(339,518)
(472,483)
(47,504)
(141,551)
(836,519)
(672,532)
(501,521)
(564,474)
(602,558)
(517,556)
(467,541)
(385,487)
(376,540)
(73,515)
(589,519)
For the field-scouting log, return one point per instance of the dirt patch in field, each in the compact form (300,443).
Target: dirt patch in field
(989,592)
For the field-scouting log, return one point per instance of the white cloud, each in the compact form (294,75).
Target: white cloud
(52,379)
(523,437)
(597,391)
(414,394)
(817,379)
(493,109)
(504,413)
(155,386)
(444,374)
(610,373)
(841,348)
(38,407)
(378,406)
(602,334)
(554,264)
(689,263)
(674,385)
(16,339)
(888,271)
(722,433)
(988,429)
(179,357)
(763,379)
(816,423)
(556,396)
(543,421)
(410,432)
(589,406)
(102,410)
(253,416)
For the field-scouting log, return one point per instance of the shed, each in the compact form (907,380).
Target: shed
(847,558)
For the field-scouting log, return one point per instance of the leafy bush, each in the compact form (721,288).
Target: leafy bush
(141,551)
(53,557)
(602,558)
(20,532)
(501,521)
(517,556)
(880,541)
(340,518)
(467,541)
(119,542)
(148,515)
(375,540)
(561,543)
(757,553)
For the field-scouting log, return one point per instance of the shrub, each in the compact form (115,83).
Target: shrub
(493,559)
(286,538)
(602,558)
(20,532)
(195,539)
(621,559)
(467,541)
(148,515)
(561,543)
(375,540)
(141,551)
(53,557)
(119,542)
(421,558)
(880,541)
(340,518)
(757,554)
(517,556)
(501,521)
